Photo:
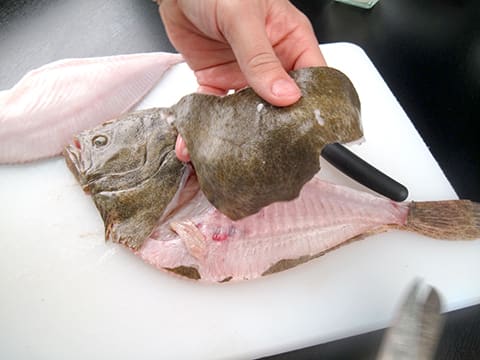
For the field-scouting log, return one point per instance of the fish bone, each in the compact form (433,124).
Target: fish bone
(286,234)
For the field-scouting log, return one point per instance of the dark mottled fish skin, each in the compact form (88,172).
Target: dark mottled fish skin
(130,169)
(449,219)
(248,154)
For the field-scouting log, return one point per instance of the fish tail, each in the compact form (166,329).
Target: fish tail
(450,220)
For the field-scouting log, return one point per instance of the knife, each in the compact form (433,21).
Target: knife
(364,173)
(417,326)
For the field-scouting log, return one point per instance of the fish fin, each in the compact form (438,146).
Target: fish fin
(185,271)
(131,215)
(451,219)
(127,232)
(192,237)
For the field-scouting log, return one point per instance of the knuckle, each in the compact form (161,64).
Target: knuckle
(262,61)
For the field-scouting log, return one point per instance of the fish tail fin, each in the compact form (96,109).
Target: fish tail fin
(451,219)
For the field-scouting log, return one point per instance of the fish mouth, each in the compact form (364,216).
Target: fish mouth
(73,158)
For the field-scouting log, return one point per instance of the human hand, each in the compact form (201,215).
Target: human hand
(230,44)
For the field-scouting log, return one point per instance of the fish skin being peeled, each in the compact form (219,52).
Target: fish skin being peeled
(154,204)
(51,104)
(245,156)
(248,154)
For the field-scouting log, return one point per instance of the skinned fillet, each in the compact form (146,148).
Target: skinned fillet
(42,112)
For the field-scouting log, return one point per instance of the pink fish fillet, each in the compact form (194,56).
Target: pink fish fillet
(42,112)
(201,243)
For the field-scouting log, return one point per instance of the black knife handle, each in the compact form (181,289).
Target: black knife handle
(361,171)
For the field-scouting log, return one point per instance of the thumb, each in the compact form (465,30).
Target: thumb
(258,62)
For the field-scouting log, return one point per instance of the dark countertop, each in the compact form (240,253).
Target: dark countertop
(427,51)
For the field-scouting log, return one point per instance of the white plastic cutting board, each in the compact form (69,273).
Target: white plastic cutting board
(65,294)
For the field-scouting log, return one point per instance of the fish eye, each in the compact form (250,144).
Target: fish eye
(99,140)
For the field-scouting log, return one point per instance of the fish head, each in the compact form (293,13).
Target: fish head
(130,169)
(98,152)
(116,154)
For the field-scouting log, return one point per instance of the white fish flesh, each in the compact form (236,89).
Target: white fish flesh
(51,104)
(201,243)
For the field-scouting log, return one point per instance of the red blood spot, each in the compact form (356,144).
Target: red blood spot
(219,236)
(77,144)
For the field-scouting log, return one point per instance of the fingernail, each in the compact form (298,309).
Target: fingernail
(285,88)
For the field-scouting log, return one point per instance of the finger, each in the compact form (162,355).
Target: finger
(305,39)
(300,48)
(225,76)
(310,57)
(307,43)
(256,58)
(181,150)
(211,90)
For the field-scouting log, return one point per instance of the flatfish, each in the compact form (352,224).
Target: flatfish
(249,204)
